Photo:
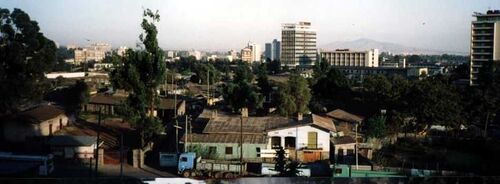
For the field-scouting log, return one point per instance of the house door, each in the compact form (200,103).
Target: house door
(50,129)
(312,140)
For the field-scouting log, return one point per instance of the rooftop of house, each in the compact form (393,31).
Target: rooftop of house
(231,123)
(251,125)
(169,103)
(68,140)
(225,138)
(41,113)
(106,99)
(341,115)
(343,140)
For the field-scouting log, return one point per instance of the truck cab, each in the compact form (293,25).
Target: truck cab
(186,162)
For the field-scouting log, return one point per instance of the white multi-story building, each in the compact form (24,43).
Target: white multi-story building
(346,57)
(485,42)
(256,51)
(95,52)
(298,45)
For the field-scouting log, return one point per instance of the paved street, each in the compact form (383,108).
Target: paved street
(109,171)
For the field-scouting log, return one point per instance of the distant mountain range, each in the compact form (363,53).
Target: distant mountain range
(366,44)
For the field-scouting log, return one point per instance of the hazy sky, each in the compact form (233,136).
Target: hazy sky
(230,24)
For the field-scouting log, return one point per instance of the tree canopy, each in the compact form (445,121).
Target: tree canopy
(25,56)
(294,96)
(140,73)
(240,92)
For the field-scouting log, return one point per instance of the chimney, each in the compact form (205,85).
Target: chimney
(244,112)
(299,116)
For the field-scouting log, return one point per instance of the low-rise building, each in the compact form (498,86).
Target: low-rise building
(226,146)
(346,57)
(305,139)
(344,121)
(359,73)
(42,120)
(73,147)
(343,146)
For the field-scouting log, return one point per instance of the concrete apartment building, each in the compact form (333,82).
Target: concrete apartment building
(246,55)
(251,53)
(346,57)
(485,42)
(95,52)
(298,45)
(272,50)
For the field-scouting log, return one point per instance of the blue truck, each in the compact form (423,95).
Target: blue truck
(191,166)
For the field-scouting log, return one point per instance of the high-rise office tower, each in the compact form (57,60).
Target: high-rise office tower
(485,42)
(298,45)
(272,50)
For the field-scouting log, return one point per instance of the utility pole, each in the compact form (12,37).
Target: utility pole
(121,156)
(241,145)
(208,87)
(356,146)
(175,114)
(185,133)
(97,144)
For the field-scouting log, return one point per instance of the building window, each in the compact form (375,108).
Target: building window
(289,142)
(312,140)
(257,150)
(229,150)
(212,150)
(275,142)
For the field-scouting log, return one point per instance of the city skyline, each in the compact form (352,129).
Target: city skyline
(225,25)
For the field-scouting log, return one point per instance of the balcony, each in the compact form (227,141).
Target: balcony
(482,53)
(481,40)
(482,28)
(481,46)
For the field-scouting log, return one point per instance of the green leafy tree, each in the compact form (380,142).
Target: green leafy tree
(434,102)
(243,73)
(280,161)
(25,56)
(140,73)
(265,87)
(292,169)
(334,86)
(482,102)
(320,70)
(294,96)
(273,66)
(79,94)
(241,94)
(201,70)
(375,127)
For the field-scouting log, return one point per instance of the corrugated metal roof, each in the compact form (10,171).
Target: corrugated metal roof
(225,138)
(251,125)
(340,114)
(41,113)
(65,140)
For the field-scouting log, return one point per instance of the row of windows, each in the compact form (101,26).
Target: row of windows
(228,150)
